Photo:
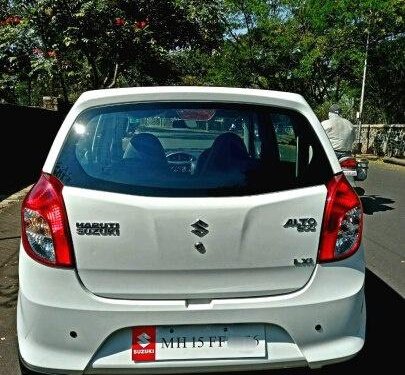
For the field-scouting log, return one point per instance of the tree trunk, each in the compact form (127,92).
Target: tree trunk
(114,80)
(337,96)
(96,78)
(29,91)
(63,85)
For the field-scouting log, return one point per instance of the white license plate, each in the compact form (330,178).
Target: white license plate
(159,343)
(348,172)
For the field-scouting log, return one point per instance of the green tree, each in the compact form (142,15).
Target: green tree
(313,47)
(316,48)
(82,44)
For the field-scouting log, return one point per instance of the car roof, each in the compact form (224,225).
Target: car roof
(189,93)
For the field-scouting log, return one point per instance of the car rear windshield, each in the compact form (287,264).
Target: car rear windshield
(191,150)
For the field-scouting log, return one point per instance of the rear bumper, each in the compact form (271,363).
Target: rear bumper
(52,303)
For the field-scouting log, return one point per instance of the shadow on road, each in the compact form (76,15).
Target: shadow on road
(374,203)
(360,191)
(385,319)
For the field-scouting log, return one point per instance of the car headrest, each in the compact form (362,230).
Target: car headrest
(227,151)
(146,147)
(230,144)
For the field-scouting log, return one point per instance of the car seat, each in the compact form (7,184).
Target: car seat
(146,150)
(227,153)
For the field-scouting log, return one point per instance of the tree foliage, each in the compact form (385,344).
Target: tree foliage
(313,47)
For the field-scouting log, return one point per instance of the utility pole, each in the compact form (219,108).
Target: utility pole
(363,89)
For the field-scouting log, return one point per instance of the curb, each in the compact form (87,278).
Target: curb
(394,161)
(384,159)
(15,198)
(367,156)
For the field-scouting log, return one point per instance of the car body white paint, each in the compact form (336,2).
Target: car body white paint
(334,298)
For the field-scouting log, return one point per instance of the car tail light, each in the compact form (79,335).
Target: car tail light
(45,231)
(342,221)
(348,163)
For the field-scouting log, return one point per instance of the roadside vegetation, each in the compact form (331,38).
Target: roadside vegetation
(313,47)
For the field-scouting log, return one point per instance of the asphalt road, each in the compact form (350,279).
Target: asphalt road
(384,238)
(384,229)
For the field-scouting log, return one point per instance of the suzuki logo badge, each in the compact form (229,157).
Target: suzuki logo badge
(143,340)
(200,228)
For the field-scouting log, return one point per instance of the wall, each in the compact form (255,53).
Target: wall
(369,132)
(26,136)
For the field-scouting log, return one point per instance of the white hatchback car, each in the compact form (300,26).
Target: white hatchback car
(181,229)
